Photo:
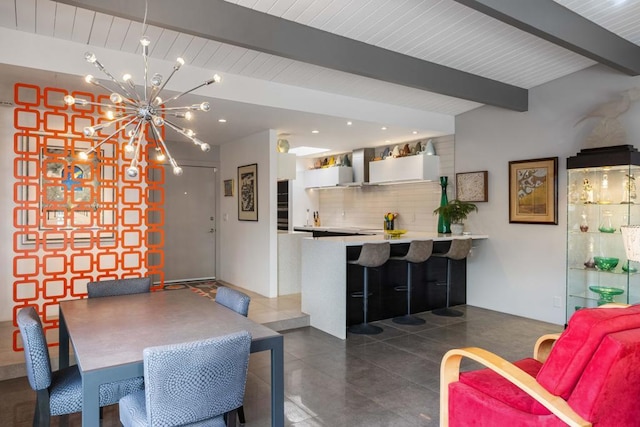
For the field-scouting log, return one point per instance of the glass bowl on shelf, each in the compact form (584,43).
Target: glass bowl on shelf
(606,293)
(605,263)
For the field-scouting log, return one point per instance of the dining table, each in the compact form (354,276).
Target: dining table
(109,334)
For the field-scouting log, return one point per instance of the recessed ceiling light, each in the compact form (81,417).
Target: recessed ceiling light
(305,151)
(222,120)
(383,128)
(315,131)
(415,132)
(349,123)
(388,141)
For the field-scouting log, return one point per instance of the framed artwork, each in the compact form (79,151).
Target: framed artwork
(533,191)
(472,186)
(71,194)
(248,192)
(228,188)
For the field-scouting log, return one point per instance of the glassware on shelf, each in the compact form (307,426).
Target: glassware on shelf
(628,268)
(606,293)
(605,198)
(584,224)
(606,226)
(629,189)
(587,191)
(590,262)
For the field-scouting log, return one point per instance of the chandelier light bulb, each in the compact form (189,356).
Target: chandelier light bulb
(90,57)
(110,115)
(179,63)
(145,41)
(205,106)
(90,79)
(205,147)
(69,100)
(116,98)
(188,115)
(189,133)
(158,121)
(83,155)
(156,80)
(160,155)
(157,101)
(89,131)
(132,171)
(126,77)
(217,78)
(128,148)
(177,171)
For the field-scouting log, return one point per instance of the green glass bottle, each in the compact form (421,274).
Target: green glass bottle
(443,225)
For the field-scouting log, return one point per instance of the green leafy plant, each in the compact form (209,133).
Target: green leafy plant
(456,211)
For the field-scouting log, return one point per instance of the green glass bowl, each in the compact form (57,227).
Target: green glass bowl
(606,263)
(606,293)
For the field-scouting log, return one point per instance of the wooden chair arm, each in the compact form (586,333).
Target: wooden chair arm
(543,346)
(450,372)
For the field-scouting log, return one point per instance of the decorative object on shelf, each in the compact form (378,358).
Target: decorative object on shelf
(386,153)
(454,213)
(606,263)
(629,189)
(228,188)
(589,261)
(472,186)
(606,293)
(607,225)
(316,219)
(282,145)
(444,226)
(395,152)
(428,148)
(144,115)
(586,196)
(605,198)
(627,268)
(248,192)
(533,191)
(584,223)
(389,219)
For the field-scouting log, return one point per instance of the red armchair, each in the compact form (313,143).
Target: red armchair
(590,377)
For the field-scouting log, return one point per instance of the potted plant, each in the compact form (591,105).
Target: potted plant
(455,212)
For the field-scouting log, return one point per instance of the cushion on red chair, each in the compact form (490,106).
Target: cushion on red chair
(607,393)
(488,382)
(577,344)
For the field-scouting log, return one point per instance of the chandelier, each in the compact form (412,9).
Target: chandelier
(141,114)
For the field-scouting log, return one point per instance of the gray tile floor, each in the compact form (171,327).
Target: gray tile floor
(389,379)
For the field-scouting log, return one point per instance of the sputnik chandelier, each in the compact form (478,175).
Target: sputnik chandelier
(138,114)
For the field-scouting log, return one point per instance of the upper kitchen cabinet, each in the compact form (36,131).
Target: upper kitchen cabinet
(328,177)
(419,167)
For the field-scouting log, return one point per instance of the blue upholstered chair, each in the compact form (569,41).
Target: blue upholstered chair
(235,300)
(238,302)
(60,392)
(109,288)
(190,384)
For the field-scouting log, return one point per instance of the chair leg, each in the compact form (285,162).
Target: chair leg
(42,415)
(241,415)
(365,328)
(408,319)
(230,418)
(448,311)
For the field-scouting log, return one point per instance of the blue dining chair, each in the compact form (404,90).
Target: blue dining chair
(193,384)
(238,302)
(109,288)
(60,392)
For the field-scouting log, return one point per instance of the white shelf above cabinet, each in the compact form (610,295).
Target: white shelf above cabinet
(405,169)
(328,177)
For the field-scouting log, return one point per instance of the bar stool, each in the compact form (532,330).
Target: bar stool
(372,255)
(419,252)
(458,250)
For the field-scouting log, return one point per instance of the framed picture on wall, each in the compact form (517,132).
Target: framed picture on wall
(472,186)
(248,192)
(533,191)
(228,188)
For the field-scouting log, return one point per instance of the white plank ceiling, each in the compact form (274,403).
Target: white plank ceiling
(439,31)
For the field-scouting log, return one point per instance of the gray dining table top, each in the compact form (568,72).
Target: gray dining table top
(113,331)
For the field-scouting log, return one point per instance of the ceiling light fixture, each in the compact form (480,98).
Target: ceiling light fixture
(383,128)
(315,131)
(142,114)
(222,120)
(349,123)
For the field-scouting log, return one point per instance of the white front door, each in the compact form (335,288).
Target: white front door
(190,224)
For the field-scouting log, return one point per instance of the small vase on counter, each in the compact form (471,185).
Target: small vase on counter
(443,224)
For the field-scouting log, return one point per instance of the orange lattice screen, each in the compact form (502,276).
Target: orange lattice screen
(76,221)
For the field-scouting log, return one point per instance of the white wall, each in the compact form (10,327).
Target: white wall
(248,249)
(521,268)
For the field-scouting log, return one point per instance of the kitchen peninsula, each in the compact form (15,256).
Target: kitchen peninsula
(327,281)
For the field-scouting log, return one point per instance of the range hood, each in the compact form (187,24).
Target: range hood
(360,159)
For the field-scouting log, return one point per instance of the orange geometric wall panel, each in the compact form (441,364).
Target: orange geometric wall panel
(76,220)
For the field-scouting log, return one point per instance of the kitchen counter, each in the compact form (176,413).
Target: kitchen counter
(325,276)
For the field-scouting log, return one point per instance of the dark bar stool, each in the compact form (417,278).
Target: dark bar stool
(458,250)
(419,252)
(372,255)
